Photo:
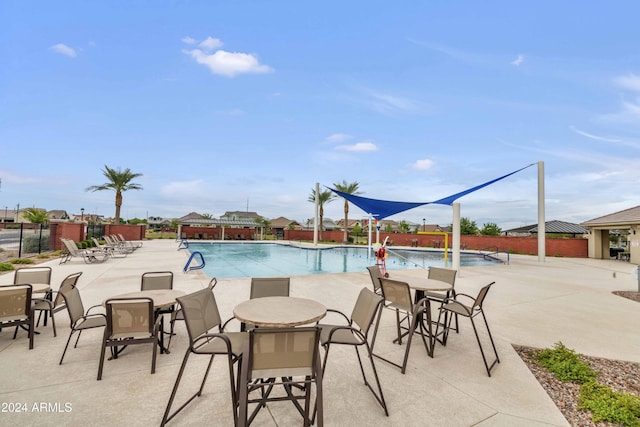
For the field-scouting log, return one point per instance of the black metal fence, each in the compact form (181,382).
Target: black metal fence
(25,239)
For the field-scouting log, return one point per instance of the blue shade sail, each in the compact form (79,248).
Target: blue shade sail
(381,209)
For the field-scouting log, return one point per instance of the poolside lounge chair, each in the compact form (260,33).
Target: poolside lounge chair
(108,249)
(134,244)
(118,246)
(88,255)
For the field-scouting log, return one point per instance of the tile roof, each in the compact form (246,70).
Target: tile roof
(629,216)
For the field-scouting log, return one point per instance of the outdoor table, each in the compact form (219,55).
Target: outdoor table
(162,298)
(279,312)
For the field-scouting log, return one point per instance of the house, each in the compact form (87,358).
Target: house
(240,216)
(57,214)
(8,215)
(327,224)
(278,225)
(600,228)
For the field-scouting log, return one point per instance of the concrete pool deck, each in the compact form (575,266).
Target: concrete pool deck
(532,303)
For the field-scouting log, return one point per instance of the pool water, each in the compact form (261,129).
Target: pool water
(233,260)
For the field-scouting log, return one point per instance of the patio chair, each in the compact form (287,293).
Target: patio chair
(16,310)
(117,246)
(133,244)
(376,275)
(31,275)
(356,333)
(154,280)
(269,287)
(178,314)
(108,249)
(201,315)
(471,309)
(281,356)
(448,276)
(89,256)
(49,305)
(417,315)
(130,321)
(80,319)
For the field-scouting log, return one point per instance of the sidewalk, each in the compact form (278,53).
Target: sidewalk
(532,303)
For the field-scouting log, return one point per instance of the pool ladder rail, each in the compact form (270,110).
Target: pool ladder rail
(188,267)
(183,244)
(494,251)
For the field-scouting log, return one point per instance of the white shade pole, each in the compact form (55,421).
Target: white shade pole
(541,220)
(455,244)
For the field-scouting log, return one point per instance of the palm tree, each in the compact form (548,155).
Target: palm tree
(349,188)
(325,196)
(118,181)
(35,215)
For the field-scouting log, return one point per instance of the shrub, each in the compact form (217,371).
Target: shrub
(608,405)
(33,243)
(6,266)
(566,364)
(22,261)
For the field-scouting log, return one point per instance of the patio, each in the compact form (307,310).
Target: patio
(533,304)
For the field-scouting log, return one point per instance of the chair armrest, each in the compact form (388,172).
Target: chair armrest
(92,307)
(208,337)
(330,310)
(223,327)
(353,330)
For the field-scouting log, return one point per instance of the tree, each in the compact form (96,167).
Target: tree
(207,216)
(490,229)
(404,226)
(118,181)
(349,188)
(325,196)
(35,215)
(388,228)
(264,223)
(468,227)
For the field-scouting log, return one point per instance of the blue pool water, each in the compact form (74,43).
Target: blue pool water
(233,260)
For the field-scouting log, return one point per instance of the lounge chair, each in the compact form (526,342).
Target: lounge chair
(134,244)
(117,245)
(88,255)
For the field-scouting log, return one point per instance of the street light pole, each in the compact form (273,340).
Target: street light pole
(81,214)
(424,225)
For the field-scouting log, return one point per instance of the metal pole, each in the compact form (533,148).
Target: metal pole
(541,220)
(455,244)
(316,215)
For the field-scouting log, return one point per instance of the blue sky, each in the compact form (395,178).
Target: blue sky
(224,105)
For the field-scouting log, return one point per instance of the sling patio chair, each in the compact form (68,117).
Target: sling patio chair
(285,357)
(376,275)
(108,249)
(417,316)
(154,280)
(79,319)
(88,255)
(448,276)
(133,244)
(16,310)
(178,314)
(354,331)
(117,246)
(32,275)
(467,306)
(50,305)
(130,321)
(201,316)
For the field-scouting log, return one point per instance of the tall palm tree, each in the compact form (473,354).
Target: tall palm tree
(325,196)
(349,188)
(118,181)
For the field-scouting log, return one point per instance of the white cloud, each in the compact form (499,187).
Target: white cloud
(519,60)
(338,137)
(591,136)
(189,40)
(423,164)
(629,82)
(360,146)
(210,43)
(229,64)
(63,49)
(389,104)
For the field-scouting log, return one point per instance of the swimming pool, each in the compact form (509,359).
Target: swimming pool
(233,260)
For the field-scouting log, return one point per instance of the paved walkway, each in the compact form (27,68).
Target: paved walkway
(532,303)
